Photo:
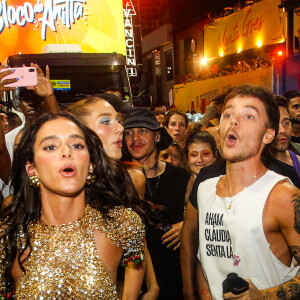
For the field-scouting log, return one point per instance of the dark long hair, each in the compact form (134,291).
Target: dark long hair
(111,188)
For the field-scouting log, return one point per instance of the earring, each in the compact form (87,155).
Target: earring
(90,178)
(34,181)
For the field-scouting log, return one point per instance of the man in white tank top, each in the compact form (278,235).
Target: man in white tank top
(249,219)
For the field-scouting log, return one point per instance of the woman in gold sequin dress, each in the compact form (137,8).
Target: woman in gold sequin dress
(69,225)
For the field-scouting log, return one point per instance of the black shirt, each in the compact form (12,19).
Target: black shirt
(167,190)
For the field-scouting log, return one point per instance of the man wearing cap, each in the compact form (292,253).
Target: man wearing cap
(166,186)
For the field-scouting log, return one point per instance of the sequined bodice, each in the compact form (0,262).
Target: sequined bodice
(64,262)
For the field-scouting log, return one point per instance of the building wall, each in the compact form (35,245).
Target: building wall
(158,63)
(186,60)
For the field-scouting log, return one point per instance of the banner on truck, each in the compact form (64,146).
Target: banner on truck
(27,26)
(207,90)
(254,26)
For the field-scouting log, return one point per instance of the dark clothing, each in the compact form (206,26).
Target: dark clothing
(295,147)
(295,139)
(295,162)
(219,168)
(167,190)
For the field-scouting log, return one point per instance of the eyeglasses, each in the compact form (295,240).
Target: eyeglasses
(173,156)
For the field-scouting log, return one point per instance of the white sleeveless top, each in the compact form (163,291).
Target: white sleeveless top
(233,240)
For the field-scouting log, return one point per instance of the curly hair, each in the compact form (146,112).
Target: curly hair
(111,188)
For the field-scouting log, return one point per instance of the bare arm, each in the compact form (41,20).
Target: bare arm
(150,278)
(134,275)
(188,251)
(202,284)
(5,163)
(210,113)
(188,190)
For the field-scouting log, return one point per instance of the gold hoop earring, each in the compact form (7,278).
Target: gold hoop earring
(34,181)
(90,178)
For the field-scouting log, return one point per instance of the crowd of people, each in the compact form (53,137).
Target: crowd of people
(108,201)
(236,67)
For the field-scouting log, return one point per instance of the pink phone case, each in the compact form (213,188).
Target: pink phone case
(27,76)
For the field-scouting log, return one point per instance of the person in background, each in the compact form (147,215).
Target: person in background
(281,148)
(210,120)
(5,161)
(4,121)
(161,119)
(70,223)
(201,151)
(177,124)
(294,111)
(166,156)
(173,155)
(113,90)
(100,113)
(31,99)
(166,185)
(13,120)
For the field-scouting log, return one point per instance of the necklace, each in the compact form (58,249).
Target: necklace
(252,180)
(156,169)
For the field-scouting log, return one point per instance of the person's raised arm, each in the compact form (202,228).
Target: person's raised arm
(5,163)
(210,113)
(188,252)
(44,89)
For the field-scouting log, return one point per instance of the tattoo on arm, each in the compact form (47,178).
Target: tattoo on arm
(296,200)
(289,291)
(296,252)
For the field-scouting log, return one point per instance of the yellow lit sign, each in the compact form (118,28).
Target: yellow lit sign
(96,25)
(241,31)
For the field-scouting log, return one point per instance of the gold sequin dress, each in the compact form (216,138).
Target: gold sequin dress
(64,262)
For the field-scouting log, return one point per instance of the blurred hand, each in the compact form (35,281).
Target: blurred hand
(211,110)
(173,236)
(252,294)
(44,87)
(6,81)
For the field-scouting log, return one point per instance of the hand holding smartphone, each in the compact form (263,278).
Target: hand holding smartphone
(26,76)
(235,284)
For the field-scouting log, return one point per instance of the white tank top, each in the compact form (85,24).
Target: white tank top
(233,240)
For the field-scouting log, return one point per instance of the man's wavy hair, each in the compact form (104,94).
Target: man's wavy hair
(112,187)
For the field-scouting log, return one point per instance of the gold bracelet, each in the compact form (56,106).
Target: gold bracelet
(265,294)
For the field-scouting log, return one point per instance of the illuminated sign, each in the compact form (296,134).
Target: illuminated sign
(254,26)
(129,11)
(27,26)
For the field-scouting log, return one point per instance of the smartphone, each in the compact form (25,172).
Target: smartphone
(27,76)
(235,284)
